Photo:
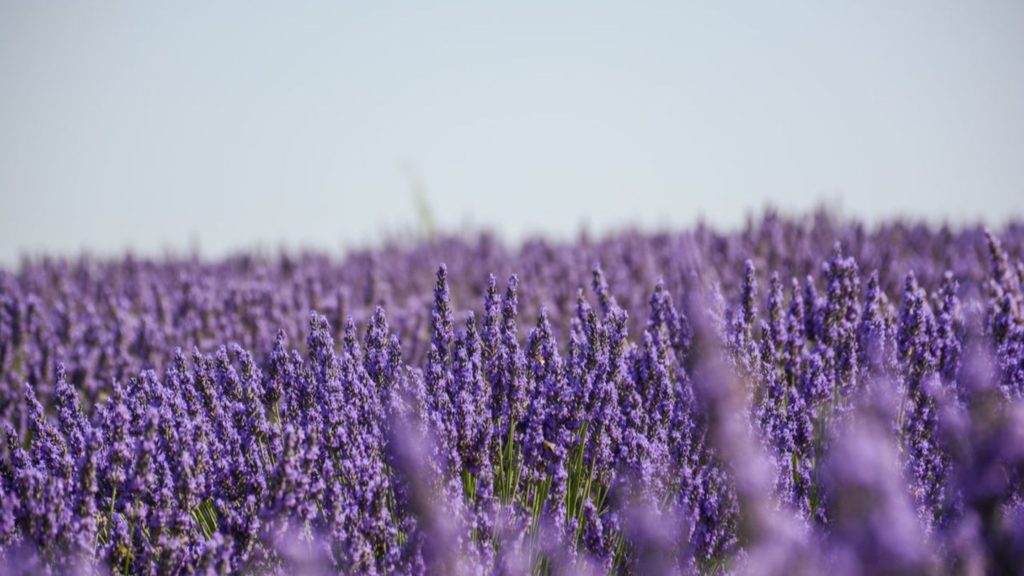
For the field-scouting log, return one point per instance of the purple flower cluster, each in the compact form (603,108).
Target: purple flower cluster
(799,396)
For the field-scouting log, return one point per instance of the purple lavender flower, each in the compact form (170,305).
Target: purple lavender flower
(872,524)
(811,428)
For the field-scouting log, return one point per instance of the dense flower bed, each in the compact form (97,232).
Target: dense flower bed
(799,396)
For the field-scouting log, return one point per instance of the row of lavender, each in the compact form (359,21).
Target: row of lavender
(860,424)
(110,320)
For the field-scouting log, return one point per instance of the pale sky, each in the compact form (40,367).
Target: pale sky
(249,124)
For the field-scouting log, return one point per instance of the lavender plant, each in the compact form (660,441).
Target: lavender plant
(798,396)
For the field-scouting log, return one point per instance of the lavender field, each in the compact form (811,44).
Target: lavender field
(801,396)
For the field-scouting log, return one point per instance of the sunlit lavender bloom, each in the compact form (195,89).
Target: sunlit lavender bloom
(338,416)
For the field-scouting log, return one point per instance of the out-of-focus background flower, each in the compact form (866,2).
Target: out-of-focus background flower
(231,125)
